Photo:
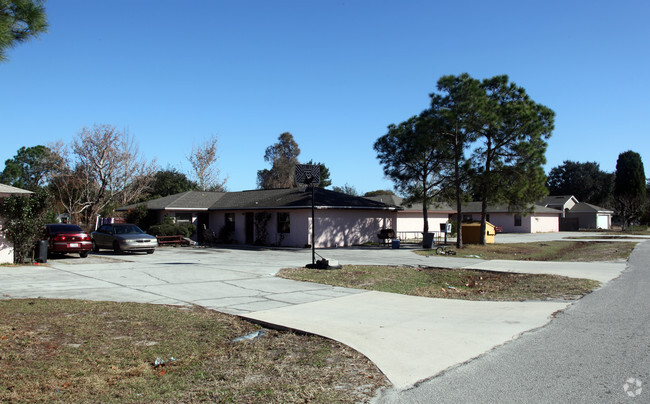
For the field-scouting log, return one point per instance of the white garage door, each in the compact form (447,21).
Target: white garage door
(602,221)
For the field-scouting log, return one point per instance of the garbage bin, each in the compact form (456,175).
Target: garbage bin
(427,241)
(41,251)
(395,243)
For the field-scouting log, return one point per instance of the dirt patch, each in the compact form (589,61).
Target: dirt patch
(566,251)
(448,283)
(79,351)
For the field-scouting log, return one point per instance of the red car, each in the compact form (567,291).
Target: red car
(67,238)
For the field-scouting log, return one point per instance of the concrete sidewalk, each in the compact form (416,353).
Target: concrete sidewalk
(413,338)
(409,338)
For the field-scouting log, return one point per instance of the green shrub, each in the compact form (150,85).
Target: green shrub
(141,216)
(171,229)
(24,221)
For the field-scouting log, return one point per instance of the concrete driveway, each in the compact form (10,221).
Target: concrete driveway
(408,338)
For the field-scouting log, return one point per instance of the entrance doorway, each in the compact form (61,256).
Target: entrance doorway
(250,228)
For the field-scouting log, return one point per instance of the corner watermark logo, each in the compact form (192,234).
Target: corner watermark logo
(632,387)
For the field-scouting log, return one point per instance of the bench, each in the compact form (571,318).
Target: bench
(172,240)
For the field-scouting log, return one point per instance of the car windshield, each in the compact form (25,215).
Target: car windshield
(64,228)
(128,229)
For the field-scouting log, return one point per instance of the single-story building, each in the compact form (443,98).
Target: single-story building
(6,248)
(409,218)
(578,215)
(410,222)
(281,217)
(591,216)
(541,220)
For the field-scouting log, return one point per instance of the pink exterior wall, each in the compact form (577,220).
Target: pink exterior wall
(297,237)
(334,227)
(348,227)
(507,222)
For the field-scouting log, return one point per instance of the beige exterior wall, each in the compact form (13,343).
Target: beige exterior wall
(538,223)
(413,222)
(6,248)
(545,223)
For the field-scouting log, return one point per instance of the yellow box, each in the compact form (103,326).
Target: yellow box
(472,233)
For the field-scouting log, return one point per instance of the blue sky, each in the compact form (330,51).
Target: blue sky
(333,73)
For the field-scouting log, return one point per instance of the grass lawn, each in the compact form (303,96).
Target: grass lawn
(576,251)
(447,283)
(81,351)
(478,285)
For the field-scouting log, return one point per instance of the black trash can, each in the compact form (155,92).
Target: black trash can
(427,241)
(41,251)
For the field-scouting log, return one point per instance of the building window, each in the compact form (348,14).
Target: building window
(517,220)
(284,222)
(229,221)
(183,218)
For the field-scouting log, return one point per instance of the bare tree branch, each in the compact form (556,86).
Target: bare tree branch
(203,160)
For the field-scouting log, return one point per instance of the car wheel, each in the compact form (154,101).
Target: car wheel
(95,247)
(150,251)
(83,254)
(117,248)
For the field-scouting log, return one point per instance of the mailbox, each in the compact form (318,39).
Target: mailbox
(445,227)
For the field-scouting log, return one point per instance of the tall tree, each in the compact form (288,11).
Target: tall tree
(630,187)
(585,181)
(512,147)
(101,169)
(203,160)
(346,189)
(29,168)
(170,182)
(325,180)
(283,157)
(378,192)
(453,111)
(20,20)
(414,154)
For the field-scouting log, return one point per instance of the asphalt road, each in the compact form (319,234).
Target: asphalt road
(596,351)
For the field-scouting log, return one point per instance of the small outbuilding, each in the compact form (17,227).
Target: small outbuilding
(472,232)
(591,216)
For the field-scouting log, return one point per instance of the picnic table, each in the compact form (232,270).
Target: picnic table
(172,240)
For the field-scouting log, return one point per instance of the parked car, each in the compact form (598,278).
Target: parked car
(67,238)
(121,237)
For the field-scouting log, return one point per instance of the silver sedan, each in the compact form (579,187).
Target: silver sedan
(121,237)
